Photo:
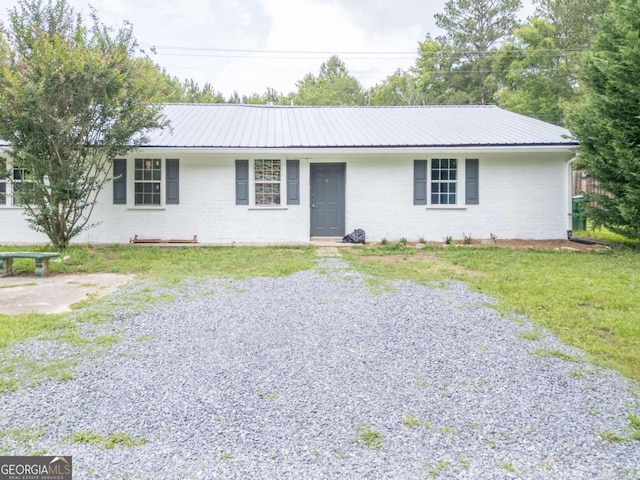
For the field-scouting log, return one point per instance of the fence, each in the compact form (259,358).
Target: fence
(582,183)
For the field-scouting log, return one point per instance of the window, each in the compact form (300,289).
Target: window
(21,186)
(267,182)
(443,181)
(147,178)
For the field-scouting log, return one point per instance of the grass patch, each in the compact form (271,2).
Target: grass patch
(105,442)
(605,236)
(15,328)
(13,440)
(545,352)
(632,434)
(175,263)
(20,371)
(589,299)
(532,335)
(367,437)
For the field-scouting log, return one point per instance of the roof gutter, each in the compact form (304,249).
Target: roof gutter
(475,149)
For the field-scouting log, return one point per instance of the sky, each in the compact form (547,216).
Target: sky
(250,45)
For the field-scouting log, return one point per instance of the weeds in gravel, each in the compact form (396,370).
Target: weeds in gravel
(105,442)
(546,352)
(533,335)
(632,434)
(13,440)
(410,421)
(440,467)
(367,437)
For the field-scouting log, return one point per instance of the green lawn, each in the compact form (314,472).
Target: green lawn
(175,263)
(589,299)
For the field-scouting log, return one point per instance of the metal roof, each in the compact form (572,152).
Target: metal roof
(229,126)
(266,126)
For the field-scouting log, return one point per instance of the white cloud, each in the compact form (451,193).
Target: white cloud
(328,26)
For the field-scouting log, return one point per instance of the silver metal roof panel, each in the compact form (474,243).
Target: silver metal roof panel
(265,126)
(229,126)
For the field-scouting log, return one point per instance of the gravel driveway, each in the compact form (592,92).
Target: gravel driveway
(325,375)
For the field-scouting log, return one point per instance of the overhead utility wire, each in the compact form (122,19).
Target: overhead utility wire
(155,48)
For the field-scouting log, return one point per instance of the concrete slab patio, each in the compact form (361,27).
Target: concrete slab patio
(56,293)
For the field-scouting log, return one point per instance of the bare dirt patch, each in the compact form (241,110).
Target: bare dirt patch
(429,259)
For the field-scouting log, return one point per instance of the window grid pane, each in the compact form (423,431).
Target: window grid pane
(443,181)
(147,179)
(21,187)
(268,174)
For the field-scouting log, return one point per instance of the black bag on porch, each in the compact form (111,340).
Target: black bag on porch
(357,236)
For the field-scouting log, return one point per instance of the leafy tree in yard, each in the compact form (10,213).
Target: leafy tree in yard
(535,80)
(333,86)
(73,97)
(607,122)
(440,76)
(401,88)
(474,28)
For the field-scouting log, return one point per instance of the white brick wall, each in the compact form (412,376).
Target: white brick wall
(523,195)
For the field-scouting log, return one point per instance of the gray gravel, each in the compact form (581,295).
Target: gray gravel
(275,378)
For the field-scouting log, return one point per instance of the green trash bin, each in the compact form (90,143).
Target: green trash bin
(578,212)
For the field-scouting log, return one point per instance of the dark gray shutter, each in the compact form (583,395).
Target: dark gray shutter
(120,181)
(472,186)
(173,181)
(419,182)
(293,182)
(3,181)
(242,182)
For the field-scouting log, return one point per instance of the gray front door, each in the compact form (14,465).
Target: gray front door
(327,199)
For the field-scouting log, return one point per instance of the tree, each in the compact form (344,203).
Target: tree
(534,79)
(439,78)
(73,97)
(333,86)
(474,28)
(606,121)
(192,93)
(401,88)
(575,21)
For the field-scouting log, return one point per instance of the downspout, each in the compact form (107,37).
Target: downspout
(570,191)
(570,236)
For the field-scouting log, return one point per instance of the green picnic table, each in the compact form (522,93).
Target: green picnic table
(41,258)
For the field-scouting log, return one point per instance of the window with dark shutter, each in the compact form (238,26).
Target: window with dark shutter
(419,182)
(293,182)
(173,181)
(472,186)
(242,182)
(120,182)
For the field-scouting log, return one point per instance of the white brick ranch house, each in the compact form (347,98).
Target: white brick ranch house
(280,174)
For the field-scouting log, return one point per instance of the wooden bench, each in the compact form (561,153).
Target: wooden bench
(41,258)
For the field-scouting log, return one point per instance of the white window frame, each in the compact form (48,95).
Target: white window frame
(255,181)
(8,198)
(149,181)
(448,182)
(4,183)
